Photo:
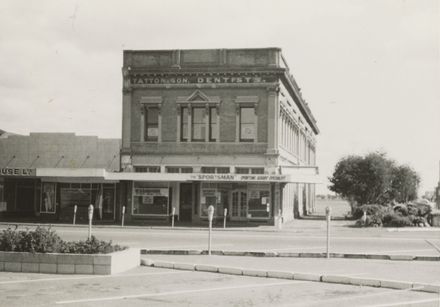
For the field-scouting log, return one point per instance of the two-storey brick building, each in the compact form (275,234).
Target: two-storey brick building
(221,127)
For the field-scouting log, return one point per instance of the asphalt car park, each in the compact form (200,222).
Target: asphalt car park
(146,286)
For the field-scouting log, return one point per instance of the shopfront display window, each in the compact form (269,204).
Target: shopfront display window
(150,200)
(101,196)
(258,201)
(48,203)
(215,195)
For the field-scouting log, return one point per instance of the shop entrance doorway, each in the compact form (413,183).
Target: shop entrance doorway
(25,196)
(186,202)
(239,205)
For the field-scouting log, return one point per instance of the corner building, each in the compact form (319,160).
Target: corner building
(221,127)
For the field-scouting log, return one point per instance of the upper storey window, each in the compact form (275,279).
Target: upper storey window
(213,127)
(184,124)
(246,120)
(198,124)
(152,124)
(198,118)
(150,119)
(247,124)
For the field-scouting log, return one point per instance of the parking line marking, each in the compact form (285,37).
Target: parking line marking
(111,298)
(88,277)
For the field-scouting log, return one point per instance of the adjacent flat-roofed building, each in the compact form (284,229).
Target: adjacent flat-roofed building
(221,127)
(43,176)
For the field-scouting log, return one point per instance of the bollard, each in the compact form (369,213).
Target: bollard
(328,218)
(90,220)
(225,214)
(173,213)
(123,216)
(210,217)
(74,214)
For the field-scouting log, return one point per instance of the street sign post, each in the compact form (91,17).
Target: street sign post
(90,211)
(328,218)
(210,217)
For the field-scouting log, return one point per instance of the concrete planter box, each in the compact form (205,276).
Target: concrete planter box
(99,264)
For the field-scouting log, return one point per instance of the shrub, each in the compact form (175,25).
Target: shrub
(372,210)
(90,246)
(43,240)
(396,220)
(9,240)
(403,210)
(40,240)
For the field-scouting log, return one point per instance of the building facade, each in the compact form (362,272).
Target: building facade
(221,127)
(43,176)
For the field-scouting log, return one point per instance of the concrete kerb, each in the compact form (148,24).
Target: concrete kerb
(338,279)
(291,254)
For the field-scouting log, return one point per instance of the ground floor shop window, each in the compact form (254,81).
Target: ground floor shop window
(82,195)
(48,203)
(258,201)
(149,200)
(216,195)
(243,201)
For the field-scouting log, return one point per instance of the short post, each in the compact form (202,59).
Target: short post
(328,218)
(173,213)
(123,216)
(210,217)
(90,220)
(225,214)
(74,214)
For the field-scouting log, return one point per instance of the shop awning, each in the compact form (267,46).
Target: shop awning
(302,174)
(71,172)
(288,175)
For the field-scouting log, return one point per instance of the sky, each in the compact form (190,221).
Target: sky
(369,69)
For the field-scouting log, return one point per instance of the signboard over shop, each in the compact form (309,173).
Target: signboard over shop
(242,178)
(17,171)
(170,177)
(142,79)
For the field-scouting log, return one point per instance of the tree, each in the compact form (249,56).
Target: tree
(373,179)
(405,184)
(364,180)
